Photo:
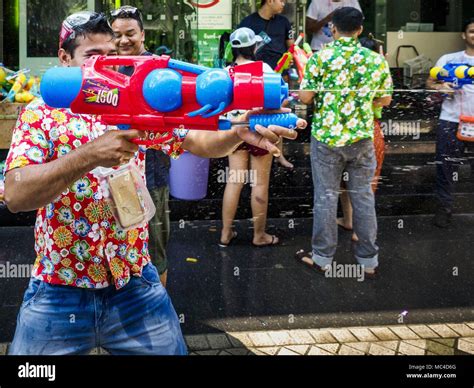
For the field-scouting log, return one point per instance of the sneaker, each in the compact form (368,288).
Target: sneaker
(443,217)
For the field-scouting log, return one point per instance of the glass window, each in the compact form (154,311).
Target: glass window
(427,15)
(171,24)
(44,18)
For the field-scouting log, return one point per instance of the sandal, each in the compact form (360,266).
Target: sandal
(275,241)
(304,258)
(225,245)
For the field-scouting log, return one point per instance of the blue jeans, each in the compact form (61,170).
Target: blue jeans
(138,319)
(449,156)
(328,164)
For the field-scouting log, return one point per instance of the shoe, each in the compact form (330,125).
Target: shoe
(443,217)
(225,245)
(275,241)
(301,255)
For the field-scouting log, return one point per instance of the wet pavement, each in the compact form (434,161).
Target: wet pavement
(426,278)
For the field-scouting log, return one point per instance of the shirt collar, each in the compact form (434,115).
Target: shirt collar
(346,42)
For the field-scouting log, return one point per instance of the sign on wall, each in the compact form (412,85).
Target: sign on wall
(214,17)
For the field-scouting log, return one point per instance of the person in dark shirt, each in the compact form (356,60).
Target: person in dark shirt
(267,22)
(277,35)
(127,24)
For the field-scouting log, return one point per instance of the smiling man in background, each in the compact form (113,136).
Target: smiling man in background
(127,24)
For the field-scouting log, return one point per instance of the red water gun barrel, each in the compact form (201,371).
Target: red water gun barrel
(162,93)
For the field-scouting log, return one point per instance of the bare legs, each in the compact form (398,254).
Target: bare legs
(260,172)
(261,166)
(346,220)
(281,159)
(238,161)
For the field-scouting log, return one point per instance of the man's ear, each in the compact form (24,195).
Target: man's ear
(64,57)
(361,30)
(464,36)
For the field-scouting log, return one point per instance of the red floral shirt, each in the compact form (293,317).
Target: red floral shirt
(77,241)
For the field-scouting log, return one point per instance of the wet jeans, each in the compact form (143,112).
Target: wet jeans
(328,165)
(138,319)
(449,156)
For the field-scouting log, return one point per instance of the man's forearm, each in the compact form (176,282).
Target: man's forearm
(382,101)
(208,144)
(32,187)
(314,26)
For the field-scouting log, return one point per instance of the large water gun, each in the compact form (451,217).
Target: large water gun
(459,74)
(297,54)
(163,93)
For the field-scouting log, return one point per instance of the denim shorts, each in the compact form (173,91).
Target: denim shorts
(138,319)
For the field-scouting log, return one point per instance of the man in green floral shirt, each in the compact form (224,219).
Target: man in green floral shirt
(346,82)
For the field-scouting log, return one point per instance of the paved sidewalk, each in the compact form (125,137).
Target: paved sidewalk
(432,339)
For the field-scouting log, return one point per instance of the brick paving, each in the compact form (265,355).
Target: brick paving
(433,339)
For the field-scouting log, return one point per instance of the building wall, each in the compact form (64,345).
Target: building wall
(423,41)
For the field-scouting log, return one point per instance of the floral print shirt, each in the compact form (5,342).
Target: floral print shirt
(77,241)
(346,78)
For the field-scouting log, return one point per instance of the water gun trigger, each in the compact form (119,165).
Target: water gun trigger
(200,111)
(219,109)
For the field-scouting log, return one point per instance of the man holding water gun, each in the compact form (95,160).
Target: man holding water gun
(85,264)
(449,149)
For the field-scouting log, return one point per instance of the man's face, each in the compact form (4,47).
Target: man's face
(129,37)
(277,6)
(91,44)
(468,36)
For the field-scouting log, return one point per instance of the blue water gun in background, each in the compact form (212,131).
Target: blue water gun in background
(459,74)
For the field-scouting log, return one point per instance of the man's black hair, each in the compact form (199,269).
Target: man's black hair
(98,25)
(370,43)
(246,52)
(466,24)
(348,19)
(262,3)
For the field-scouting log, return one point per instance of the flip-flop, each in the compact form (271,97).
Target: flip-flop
(270,243)
(301,254)
(234,236)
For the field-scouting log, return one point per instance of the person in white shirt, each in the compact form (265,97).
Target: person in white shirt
(319,17)
(449,149)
